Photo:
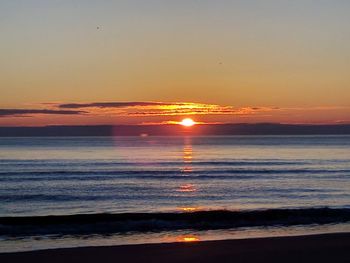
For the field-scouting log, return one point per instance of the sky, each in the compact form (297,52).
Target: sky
(143,62)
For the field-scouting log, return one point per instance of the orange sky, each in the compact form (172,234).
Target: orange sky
(214,61)
(166,112)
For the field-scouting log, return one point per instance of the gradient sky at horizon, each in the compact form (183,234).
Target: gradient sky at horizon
(290,59)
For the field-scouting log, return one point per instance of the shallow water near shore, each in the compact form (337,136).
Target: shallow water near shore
(52,241)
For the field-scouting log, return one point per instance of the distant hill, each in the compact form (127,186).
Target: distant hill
(158,130)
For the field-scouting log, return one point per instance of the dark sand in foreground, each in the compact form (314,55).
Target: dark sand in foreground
(313,248)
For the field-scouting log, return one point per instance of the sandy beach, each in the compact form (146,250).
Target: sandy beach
(312,248)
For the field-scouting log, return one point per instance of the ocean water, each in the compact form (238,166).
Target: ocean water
(142,188)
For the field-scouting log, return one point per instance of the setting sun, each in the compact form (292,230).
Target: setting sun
(188,122)
(188,239)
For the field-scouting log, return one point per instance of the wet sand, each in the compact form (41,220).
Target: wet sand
(312,248)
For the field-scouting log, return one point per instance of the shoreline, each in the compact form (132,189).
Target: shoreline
(333,247)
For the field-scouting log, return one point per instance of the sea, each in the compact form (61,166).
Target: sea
(93,191)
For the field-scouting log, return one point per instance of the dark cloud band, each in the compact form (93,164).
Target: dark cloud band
(20,112)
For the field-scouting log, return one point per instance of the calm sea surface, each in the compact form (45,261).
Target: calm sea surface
(97,175)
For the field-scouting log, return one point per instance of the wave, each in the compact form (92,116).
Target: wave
(82,224)
(86,197)
(176,171)
(230,174)
(112,163)
(90,163)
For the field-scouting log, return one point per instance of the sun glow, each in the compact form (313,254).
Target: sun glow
(188,209)
(188,239)
(188,122)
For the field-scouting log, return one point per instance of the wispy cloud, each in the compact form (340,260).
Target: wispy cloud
(146,108)
(110,104)
(134,109)
(318,108)
(26,112)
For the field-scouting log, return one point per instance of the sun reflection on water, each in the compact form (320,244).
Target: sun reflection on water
(187,188)
(187,153)
(187,156)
